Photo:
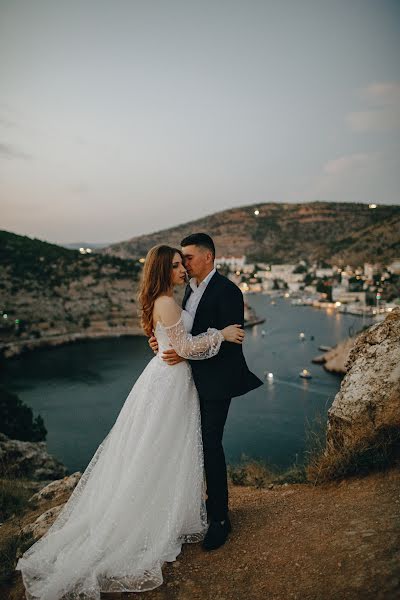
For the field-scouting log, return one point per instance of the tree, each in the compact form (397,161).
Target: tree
(16,419)
(300,269)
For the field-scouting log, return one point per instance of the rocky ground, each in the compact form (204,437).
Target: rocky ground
(337,541)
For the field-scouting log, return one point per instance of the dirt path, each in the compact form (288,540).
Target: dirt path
(339,541)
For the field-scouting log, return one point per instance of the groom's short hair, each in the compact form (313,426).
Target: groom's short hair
(199,239)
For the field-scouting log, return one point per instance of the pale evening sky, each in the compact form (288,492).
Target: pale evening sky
(123,117)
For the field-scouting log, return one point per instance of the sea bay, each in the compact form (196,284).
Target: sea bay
(80,388)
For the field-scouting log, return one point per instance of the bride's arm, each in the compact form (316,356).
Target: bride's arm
(198,347)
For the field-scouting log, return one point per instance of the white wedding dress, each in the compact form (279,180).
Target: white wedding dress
(142,494)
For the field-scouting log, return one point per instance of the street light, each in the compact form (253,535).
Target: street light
(378,297)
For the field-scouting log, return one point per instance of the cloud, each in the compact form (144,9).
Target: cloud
(352,177)
(344,164)
(8,151)
(383,110)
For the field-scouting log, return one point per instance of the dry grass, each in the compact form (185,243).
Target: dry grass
(326,458)
(358,455)
(14,496)
(259,474)
(14,500)
(11,547)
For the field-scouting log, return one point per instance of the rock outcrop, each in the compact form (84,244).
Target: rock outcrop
(366,410)
(28,459)
(58,493)
(43,523)
(56,489)
(334,361)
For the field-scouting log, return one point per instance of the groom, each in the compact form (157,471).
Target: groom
(213,301)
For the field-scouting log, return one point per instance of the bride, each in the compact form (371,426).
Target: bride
(142,494)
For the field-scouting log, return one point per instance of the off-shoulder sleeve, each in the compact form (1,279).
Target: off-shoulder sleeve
(195,347)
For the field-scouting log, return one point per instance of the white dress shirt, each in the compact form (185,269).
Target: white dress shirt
(197,292)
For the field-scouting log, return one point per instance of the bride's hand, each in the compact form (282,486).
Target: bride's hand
(233,333)
(153,344)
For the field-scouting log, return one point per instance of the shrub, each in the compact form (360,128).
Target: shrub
(16,419)
(336,460)
(14,496)
(259,474)
(10,547)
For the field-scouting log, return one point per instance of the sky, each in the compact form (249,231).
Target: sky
(124,117)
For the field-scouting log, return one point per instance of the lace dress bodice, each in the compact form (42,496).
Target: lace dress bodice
(199,347)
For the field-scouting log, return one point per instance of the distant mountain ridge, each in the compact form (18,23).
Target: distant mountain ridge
(77,245)
(336,232)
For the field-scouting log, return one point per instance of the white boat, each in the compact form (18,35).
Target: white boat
(305,373)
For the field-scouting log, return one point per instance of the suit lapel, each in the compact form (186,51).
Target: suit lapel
(188,291)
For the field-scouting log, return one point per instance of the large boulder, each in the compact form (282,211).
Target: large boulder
(28,459)
(58,488)
(366,411)
(57,491)
(43,523)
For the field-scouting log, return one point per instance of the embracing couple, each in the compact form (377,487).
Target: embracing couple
(143,493)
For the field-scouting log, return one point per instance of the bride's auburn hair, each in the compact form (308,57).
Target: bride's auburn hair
(156,280)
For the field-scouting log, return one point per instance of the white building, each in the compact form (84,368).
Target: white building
(294,286)
(234,262)
(284,274)
(340,294)
(248,268)
(279,270)
(321,273)
(394,266)
(369,270)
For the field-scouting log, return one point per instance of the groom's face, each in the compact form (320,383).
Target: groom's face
(197,260)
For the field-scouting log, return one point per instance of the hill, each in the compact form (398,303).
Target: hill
(340,233)
(50,295)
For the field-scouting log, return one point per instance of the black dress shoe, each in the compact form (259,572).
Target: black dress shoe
(217,534)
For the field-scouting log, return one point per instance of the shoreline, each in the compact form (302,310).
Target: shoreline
(16,348)
(334,360)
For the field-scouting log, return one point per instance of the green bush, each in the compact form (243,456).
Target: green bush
(14,496)
(9,547)
(16,419)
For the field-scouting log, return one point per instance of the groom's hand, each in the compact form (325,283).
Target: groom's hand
(171,357)
(153,344)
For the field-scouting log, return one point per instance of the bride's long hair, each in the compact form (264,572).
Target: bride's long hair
(156,280)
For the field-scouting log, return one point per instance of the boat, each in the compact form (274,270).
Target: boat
(305,374)
(250,317)
(253,322)
(302,336)
(324,348)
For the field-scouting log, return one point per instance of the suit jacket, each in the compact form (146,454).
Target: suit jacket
(225,375)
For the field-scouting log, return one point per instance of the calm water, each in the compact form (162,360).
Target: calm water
(79,389)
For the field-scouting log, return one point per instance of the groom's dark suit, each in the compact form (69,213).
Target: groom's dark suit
(217,380)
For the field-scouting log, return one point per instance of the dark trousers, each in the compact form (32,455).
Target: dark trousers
(213,418)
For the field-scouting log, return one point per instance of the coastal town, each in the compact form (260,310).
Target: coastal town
(370,289)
